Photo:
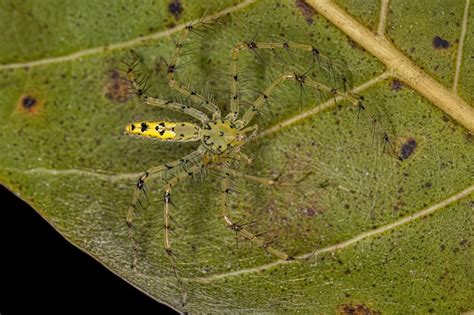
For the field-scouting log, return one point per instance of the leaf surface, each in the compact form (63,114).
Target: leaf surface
(378,226)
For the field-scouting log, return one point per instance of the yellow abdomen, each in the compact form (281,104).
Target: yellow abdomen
(164,130)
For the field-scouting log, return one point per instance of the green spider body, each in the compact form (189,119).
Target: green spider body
(218,136)
(221,138)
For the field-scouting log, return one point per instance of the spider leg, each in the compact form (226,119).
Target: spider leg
(166,220)
(139,190)
(254,46)
(260,101)
(240,229)
(180,88)
(197,114)
(322,61)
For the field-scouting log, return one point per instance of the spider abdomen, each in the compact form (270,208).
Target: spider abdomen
(165,130)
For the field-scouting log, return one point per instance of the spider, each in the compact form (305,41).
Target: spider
(220,137)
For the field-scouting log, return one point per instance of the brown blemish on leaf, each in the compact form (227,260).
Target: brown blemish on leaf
(117,88)
(396,85)
(405,147)
(398,206)
(309,211)
(440,43)
(29,103)
(312,211)
(354,44)
(356,309)
(469,137)
(176,8)
(307,10)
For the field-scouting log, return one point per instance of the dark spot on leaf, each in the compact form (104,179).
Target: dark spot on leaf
(399,205)
(311,211)
(356,309)
(176,8)
(465,243)
(407,148)
(144,127)
(354,44)
(469,137)
(28,102)
(440,43)
(445,118)
(396,85)
(117,89)
(306,9)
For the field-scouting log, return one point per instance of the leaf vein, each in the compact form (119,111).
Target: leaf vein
(121,45)
(405,220)
(90,173)
(461,46)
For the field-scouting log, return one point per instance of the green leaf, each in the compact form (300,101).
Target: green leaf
(382,230)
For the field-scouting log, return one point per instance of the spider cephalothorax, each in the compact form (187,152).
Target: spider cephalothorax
(221,135)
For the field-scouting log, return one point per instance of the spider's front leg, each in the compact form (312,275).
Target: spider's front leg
(254,46)
(166,220)
(180,88)
(302,80)
(239,228)
(195,169)
(323,62)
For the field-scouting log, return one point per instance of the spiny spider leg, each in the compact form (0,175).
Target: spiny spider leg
(154,171)
(260,101)
(253,46)
(302,79)
(197,98)
(166,219)
(239,228)
(167,199)
(162,103)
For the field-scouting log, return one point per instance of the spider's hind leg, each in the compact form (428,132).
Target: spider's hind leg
(140,190)
(239,228)
(196,168)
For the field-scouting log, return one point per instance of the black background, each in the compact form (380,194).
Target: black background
(42,273)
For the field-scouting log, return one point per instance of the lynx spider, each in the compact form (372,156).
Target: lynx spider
(221,137)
